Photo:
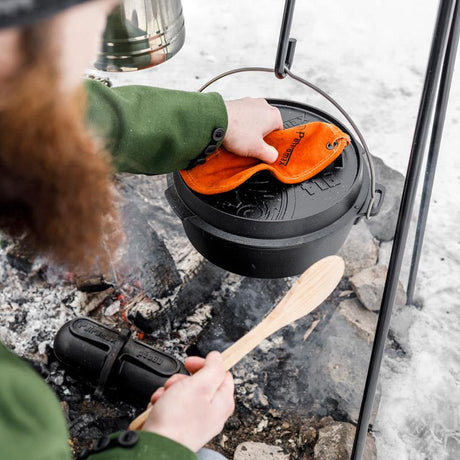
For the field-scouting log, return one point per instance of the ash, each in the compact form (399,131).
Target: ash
(34,301)
(300,384)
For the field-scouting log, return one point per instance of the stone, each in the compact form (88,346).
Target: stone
(369,284)
(383,225)
(335,442)
(362,319)
(360,250)
(323,375)
(386,250)
(335,369)
(259,451)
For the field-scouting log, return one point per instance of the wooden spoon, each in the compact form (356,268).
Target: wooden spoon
(307,293)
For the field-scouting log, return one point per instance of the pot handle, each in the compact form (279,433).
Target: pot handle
(369,212)
(380,195)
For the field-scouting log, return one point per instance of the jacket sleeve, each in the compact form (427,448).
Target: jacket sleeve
(151,130)
(32,425)
(137,445)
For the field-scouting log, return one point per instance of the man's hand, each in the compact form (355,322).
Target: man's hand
(193,409)
(249,121)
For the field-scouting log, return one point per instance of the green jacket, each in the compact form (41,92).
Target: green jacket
(149,131)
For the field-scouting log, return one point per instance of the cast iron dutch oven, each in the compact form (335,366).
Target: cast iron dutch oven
(268,229)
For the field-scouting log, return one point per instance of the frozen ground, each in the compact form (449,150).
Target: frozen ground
(371,56)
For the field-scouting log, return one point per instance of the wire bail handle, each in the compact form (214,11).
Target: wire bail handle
(283,63)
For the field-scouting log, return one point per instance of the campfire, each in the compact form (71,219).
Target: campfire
(298,389)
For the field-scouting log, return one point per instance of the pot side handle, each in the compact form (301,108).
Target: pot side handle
(379,197)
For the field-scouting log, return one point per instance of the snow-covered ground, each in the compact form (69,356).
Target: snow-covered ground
(371,56)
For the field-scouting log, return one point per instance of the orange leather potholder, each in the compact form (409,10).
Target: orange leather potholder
(303,152)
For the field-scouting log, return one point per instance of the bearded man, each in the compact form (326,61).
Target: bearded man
(60,142)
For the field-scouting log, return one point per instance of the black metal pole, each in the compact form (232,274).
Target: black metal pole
(435,62)
(286,45)
(433,151)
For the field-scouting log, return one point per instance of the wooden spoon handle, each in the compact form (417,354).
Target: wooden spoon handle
(139,421)
(245,344)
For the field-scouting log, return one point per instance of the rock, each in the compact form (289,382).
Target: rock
(331,377)
(383,225)
(323,375)
(335,442)
(360,250)
(325,421)
(362,319)
(385,255)
(259,451)
(368,285)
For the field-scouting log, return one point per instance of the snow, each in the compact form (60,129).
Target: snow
(371,56)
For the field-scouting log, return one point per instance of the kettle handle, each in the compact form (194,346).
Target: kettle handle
(330,99)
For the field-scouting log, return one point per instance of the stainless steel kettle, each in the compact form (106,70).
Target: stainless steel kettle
(141,34)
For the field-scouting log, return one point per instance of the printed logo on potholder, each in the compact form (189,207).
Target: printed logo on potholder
(286,156)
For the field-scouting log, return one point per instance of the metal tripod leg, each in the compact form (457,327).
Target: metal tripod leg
(444,24)
(433,151)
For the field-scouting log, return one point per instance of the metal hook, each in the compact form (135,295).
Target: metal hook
(286,45)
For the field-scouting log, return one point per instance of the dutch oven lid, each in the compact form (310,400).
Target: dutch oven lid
(263,207)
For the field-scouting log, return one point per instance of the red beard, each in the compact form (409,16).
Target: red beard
(55,180)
